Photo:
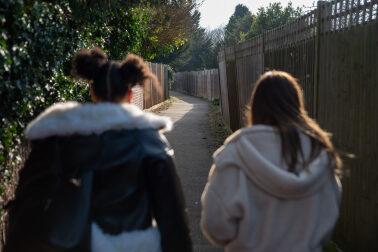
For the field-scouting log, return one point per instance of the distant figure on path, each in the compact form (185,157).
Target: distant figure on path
(273,184)
(99,174)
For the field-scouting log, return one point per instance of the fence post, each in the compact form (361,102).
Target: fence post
(166,83)
(320,14)
(263,52)
(232,88)
(219,83)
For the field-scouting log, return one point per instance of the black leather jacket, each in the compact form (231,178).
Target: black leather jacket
(119,179)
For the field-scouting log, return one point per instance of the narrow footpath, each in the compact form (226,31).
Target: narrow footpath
(193,147)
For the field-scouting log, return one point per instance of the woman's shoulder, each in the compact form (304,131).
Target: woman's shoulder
(70,118)
(252,133)
(152,142)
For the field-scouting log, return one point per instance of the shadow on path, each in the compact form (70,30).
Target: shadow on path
(193,146)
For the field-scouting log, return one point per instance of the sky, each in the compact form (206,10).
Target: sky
(216,13)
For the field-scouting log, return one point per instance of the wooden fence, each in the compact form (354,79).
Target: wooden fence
(150,95)
(203,84)
(333,52)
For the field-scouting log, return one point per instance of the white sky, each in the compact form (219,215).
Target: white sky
(215,13)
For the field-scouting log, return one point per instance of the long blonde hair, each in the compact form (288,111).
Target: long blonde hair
(277,100)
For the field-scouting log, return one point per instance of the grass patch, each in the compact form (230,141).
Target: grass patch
(218,127)
(332,247)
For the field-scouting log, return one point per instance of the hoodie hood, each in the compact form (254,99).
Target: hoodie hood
(64,119)
(257,152)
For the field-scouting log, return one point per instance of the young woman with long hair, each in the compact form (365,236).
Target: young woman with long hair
(100,174)
(273,184)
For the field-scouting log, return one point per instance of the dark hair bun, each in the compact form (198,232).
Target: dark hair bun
(135,70)
(86,63)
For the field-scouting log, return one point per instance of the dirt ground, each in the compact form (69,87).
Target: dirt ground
(193,146)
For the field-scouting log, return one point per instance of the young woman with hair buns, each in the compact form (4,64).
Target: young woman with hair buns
(272,186)
(100,176)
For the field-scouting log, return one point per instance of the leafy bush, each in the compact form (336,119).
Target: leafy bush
(215,102)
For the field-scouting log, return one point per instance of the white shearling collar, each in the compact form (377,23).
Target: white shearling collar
(64,119)
(256,151)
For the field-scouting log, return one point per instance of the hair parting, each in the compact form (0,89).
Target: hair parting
(108,86)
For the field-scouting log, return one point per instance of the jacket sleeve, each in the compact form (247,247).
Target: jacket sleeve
(219,217)
(169,206)
(47,208)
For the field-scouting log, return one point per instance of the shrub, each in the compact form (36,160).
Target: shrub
(215,102)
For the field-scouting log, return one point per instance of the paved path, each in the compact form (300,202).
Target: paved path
(193,146)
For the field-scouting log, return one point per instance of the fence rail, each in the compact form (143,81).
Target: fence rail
(333,52)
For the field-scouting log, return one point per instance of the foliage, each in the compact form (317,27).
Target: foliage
(332,247)
(243,25)
(170,26)
(197,54)
(217,35)
(271,17)
(201,50)
(36,43)
(239,23)
(117,26)
(215,102)
(177,58)
(218,127)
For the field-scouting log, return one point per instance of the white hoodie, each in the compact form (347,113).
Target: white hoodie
(252,203)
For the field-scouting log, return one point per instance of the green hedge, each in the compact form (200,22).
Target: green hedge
(37,41)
